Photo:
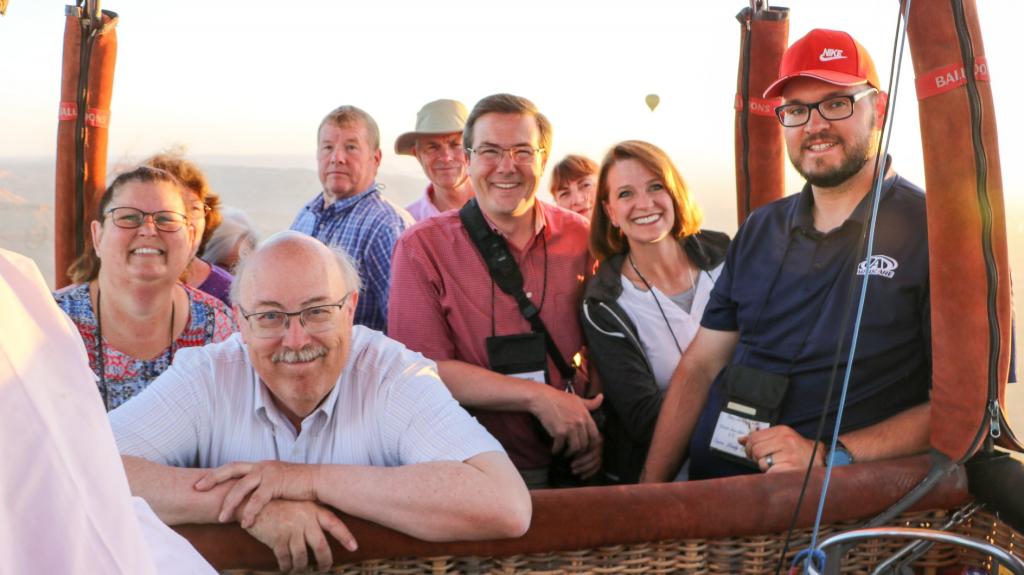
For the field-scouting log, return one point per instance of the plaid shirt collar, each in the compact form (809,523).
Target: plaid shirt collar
(318,205)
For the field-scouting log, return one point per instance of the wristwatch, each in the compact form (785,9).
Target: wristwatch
(841,455)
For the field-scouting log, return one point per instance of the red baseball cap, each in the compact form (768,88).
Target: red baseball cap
(827,55)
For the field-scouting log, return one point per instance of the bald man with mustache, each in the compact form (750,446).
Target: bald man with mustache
(302,411)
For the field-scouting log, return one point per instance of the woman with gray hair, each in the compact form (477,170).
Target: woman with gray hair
(233,238)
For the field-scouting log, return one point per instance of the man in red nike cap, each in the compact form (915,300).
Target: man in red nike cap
(748,394)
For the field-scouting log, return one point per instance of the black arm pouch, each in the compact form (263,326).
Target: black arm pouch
(521,355)
(753,401)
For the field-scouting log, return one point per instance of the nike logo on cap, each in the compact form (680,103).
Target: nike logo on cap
(829,54)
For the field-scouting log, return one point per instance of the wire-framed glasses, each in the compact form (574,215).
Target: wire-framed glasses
(494,154)
(132,218)
(315,319)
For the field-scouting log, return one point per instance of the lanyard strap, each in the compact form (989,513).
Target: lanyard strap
(543,288)
(650,289)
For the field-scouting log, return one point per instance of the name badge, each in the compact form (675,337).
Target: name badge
(753,400)
(728,431)
(537,376)
(521,355)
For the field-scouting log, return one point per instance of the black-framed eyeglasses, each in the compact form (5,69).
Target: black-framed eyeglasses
(834,108)
(132,218)
(494,154)
(315,319)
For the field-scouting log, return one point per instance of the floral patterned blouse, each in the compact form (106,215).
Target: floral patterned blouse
(124,376)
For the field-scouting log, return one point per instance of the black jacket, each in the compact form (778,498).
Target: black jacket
(632,398)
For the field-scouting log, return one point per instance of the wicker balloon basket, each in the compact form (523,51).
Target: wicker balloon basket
(754,555)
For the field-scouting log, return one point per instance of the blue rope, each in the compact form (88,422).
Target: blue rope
(813,552)
(815,556)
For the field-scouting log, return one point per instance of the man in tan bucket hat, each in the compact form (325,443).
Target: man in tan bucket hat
(437,144)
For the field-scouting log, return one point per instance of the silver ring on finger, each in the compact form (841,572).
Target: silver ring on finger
(769,461)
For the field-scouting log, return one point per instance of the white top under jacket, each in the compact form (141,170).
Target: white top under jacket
(651,329)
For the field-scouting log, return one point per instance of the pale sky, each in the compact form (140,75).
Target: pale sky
(255,78)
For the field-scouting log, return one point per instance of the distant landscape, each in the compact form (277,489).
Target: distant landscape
(271,190)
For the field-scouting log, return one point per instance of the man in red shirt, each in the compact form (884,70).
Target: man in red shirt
(445,305)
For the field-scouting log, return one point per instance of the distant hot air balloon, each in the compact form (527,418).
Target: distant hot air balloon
(652,101)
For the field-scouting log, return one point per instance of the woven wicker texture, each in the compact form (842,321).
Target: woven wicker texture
(740,555)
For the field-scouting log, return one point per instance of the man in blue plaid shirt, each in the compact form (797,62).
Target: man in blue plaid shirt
(350,212)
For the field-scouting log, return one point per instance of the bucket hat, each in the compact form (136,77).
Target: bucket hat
(437,117)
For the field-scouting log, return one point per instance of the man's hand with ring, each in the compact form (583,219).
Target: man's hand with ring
(779,448)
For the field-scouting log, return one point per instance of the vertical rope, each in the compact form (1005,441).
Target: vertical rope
(875,200)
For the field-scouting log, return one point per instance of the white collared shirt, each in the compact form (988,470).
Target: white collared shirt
(388,408)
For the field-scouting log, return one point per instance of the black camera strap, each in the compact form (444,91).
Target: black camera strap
(506,274)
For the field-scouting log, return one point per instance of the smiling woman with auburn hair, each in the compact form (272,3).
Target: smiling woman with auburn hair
(643,306)
(130,308)
(203,209)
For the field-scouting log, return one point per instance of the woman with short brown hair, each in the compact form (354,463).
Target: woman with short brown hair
(574,184)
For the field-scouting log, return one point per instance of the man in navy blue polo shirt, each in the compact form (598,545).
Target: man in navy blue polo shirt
(749,391)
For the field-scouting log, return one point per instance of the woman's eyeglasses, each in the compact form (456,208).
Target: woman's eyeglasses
(132,218)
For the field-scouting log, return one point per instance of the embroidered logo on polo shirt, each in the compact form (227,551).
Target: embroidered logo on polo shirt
(880,265)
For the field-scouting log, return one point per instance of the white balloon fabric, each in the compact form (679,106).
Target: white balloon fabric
(63,491)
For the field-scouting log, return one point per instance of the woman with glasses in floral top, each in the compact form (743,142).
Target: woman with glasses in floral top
(130,308)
